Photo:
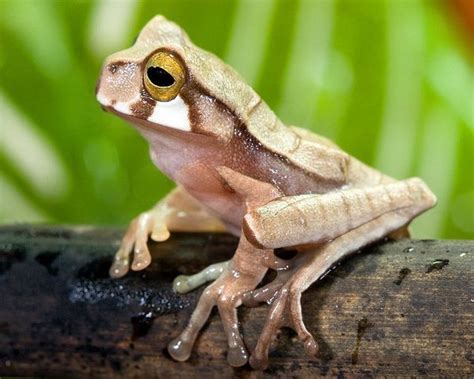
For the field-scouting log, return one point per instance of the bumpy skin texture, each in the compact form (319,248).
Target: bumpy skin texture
(240,169)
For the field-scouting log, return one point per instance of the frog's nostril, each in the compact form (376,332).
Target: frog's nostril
(113,68)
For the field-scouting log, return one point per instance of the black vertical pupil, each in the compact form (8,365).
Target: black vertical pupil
(160,77)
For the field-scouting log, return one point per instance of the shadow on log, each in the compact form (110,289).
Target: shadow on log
(399,308)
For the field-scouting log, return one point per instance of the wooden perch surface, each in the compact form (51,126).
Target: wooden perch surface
(397,308)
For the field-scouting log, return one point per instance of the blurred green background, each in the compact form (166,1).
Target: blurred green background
(390,81)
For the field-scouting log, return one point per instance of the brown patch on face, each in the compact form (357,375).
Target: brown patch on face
(141,109)
(144,107)
(146,97)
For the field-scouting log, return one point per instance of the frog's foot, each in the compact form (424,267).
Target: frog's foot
(187,283)
(285,311)
(135,240)
(285,270)
(226,292)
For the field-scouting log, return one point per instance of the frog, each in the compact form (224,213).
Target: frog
(239,169)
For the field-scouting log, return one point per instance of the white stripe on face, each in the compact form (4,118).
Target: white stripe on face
(174,114)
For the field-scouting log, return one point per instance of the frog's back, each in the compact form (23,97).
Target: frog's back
(316,156)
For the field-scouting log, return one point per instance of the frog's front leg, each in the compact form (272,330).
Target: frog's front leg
(352,219)
(176,212)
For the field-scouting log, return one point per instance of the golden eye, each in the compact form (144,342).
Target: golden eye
(164,76)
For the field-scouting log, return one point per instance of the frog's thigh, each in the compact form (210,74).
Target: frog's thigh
(319,218)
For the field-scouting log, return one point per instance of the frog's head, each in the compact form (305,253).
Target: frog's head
(164,80)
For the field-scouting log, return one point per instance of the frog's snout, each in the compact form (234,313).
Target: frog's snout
(118,86)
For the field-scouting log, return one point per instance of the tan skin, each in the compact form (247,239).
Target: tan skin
(240,169)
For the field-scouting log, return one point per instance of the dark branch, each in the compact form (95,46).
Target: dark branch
(400,308)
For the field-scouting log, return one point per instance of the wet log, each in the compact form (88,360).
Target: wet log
(397,308)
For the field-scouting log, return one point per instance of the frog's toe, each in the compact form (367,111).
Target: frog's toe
(141,257)
(121,263)
(179,349)
(119,267)
(181,284)
(227,302)
(160,232)
(285,311)
(237,356)
(187,283)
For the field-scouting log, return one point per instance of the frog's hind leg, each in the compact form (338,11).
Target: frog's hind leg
(308,267)
(314,218)
(187,283)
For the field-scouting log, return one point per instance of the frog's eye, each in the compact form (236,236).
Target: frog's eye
(164,76)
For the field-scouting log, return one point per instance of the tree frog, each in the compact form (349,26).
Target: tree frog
(239,169)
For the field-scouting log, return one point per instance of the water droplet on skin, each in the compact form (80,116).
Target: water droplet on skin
(409,249)
(462,255)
